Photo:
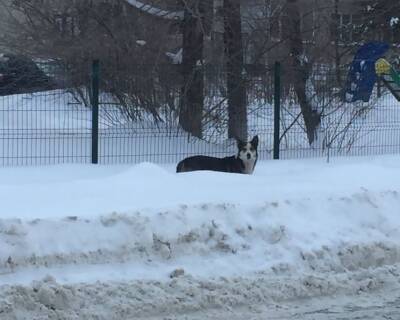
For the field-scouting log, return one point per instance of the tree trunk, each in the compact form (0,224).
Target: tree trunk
(237,110)
(299,67)
(337,40)
(192,92)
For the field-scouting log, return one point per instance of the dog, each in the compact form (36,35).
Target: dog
(244,162)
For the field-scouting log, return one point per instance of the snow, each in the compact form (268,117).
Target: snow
(141,240)
(394,21)
(3,58)
(176,58)
(150,9)
(129,241)
(55,127)
(141,42)
(53,191)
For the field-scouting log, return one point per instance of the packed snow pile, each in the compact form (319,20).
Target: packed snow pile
(81,242)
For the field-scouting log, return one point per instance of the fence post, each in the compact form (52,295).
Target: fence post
(277,107)
(379,87)
(95,77)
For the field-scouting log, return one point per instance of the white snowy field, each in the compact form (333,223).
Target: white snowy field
(136,242)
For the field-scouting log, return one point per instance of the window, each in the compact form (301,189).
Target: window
(275,28)
(66,25)
(308,26)
(347,27)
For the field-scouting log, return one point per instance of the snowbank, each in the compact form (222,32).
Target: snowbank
(333,235)
(86,190)
(141,241)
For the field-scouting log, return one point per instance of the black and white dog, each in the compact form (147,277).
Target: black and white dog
(244,162)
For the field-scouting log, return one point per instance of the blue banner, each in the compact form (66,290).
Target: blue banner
(361,77)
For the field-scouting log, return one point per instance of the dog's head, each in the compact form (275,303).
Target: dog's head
(247,151)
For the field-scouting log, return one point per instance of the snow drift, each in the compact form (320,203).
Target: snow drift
(121,242)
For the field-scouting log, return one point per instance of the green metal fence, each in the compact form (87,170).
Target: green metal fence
(99,114)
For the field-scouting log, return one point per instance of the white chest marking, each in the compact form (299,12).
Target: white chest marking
(249,166)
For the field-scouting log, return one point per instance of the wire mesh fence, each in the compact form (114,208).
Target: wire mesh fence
(359,128)
(40,121)
(142,124)
(51,122)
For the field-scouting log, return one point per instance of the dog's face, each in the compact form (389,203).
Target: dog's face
(247,151)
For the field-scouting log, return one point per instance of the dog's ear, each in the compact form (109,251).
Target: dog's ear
(254,142)
(240,143)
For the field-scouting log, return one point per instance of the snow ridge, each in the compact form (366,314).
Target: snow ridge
(348,234)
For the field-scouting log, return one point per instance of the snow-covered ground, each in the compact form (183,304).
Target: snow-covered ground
(54,127)
(140,241)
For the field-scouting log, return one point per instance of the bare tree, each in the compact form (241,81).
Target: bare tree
(237,110)
(300,66)
(192,93)
(130,43)
(381,20)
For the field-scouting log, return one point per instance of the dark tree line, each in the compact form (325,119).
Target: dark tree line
(196,24)
(192,94)
(381,19)
(299,66)
(133,44)
(236,90)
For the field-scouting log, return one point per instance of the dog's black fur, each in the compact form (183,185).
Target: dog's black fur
(243,162)
(227,164)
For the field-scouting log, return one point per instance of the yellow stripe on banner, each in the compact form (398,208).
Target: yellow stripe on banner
(382,67)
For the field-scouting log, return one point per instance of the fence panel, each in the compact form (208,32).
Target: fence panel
(42,124)
(139,115)
(50,121)
(346,129)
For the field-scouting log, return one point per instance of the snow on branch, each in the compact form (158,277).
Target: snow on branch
(156,11)
(394,21)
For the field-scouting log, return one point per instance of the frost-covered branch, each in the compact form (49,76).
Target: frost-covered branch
(150,9)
